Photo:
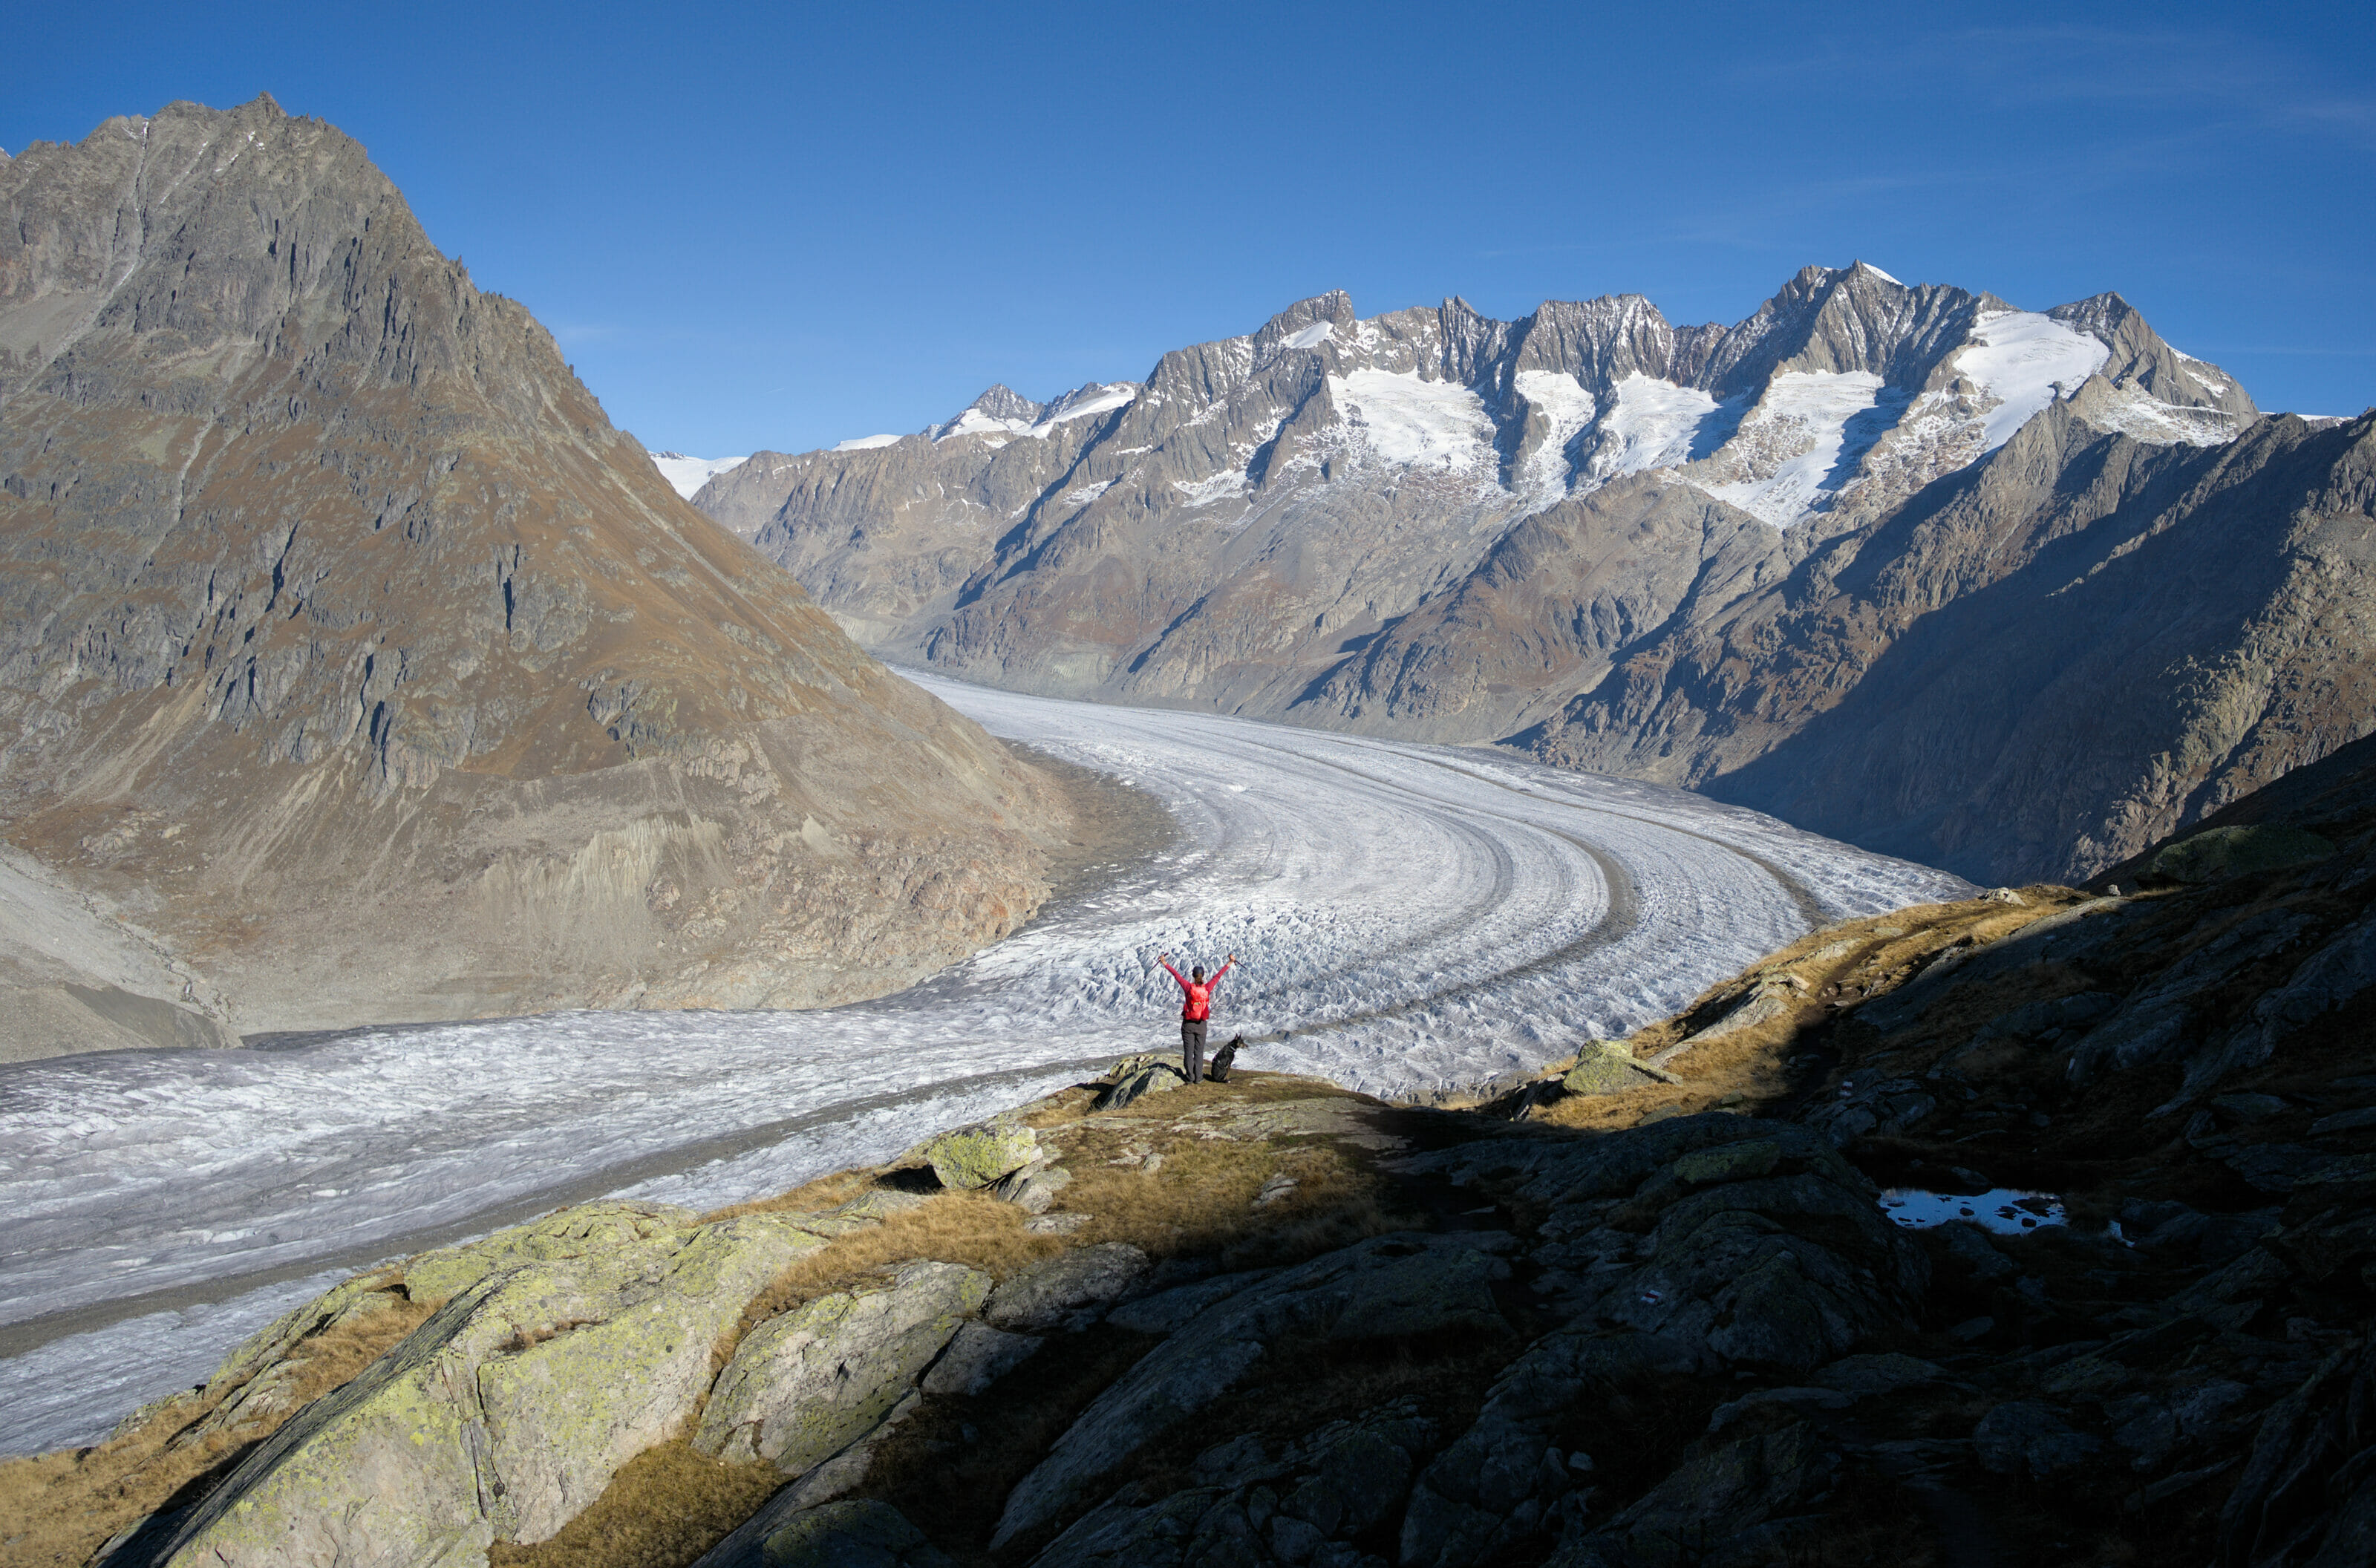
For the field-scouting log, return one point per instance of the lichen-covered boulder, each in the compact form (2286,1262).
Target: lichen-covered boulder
(967,1157)
(803,1385)
(1605,1067)
(576,1232)
(500,1418)
(1403,1284)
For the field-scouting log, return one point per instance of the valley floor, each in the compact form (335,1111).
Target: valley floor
(1408,921)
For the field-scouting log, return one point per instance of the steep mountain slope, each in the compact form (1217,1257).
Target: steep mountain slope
(1665,551)
(349,648)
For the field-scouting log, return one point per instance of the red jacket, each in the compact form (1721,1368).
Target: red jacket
(1199,1003)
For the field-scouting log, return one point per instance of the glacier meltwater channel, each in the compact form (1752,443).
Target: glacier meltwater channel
(1405,917)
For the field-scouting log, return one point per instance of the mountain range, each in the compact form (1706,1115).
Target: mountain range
(2010,592)
(353,668)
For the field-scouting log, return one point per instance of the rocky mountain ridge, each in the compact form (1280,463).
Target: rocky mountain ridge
(348,648)
(1668,551)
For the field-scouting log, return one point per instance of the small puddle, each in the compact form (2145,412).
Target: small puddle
(2008,1211)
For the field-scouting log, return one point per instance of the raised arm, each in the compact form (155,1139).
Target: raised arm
(1172,972)
(1222,970)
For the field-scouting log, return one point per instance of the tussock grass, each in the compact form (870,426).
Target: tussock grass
(58,1509)
(972,1228)
(825,1192)
(664,1508)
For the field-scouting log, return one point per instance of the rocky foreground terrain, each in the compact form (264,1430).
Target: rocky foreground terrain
(2025,591)
(2031,1229)
(354,670)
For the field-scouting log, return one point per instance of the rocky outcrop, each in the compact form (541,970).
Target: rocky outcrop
(347,648)
(504,1414)
(806,1385)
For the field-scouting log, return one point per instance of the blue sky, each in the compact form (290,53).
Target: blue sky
(779,226)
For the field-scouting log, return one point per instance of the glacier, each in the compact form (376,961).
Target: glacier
(1407,918)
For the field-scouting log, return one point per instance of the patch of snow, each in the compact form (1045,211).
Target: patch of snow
(1086,401)
(1653,424)
(973,421)
(1567,409)
(2025,361)
(686,475)
(1436,424)
(2148,418)
(1796,445)
(1222,486)
(2008,1211)
(1319,332)
(862,443)
(1087,494)
(1877,272)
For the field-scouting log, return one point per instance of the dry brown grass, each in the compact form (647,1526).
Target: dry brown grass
(825,1192)
(972,1228)
(60,1508)
(664,1508)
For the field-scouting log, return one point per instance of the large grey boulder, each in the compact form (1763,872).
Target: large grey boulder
(1490,1490)
(500,1418)
(1731,1505)
(807,1383)
(966,1158)
(978,1357)
(1050,1292)
(1396,1285)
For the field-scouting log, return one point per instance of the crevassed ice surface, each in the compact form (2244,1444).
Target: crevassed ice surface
(1404,916)
(1440,424)
(1655,424)
(1804,420)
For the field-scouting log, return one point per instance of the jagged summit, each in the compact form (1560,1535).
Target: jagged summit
(1648,547)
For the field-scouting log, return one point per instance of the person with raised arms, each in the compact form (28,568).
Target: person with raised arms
(1195,1012)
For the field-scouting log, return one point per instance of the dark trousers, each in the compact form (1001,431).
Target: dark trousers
(1192,1049)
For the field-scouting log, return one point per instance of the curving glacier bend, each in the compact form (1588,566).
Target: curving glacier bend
(1405,917)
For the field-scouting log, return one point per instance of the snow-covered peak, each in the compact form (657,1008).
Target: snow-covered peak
(687,475)
(1846,389)
(864,443)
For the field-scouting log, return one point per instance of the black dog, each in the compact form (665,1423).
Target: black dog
(1219,1069)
